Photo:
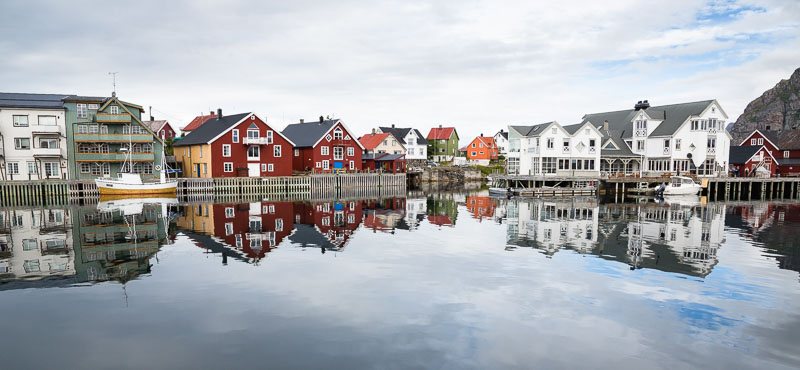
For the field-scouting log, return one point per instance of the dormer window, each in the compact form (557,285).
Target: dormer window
(252,131)
(641,125)
(114,109)
(338,134)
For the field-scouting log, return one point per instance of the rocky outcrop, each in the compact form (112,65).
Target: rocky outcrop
(777,109)
(450,175)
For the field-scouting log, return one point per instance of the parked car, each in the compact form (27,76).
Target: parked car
(431,164)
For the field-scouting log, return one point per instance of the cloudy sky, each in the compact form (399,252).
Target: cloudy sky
(478,65)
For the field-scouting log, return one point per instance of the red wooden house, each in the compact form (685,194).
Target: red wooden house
(161,128)
(482,150)
(197,122)
(785,148)
(324,146)
(746,161)
(238,145)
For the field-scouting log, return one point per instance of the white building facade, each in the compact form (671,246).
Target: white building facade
(501,140)
(415,144)
(549,149)
(33,142)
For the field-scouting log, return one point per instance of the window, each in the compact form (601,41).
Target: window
(93,107)
(133,129)
(473,145)
(276,151)
(760,141)
(351,151)
(752,141)
(48,143)
(270,167)
(229,228)
(253,152)
(324,150)
(32,168)
(566,143)
(352,165)
(263,167)
(666,143)
(639,144)
(269,136)
(51,169)
(473,154)
(548,165)
(114,109)
(205,168)
(20,121)
(338,134)
(785,154)
(13,168)
(318,164)
(677,144)
(591,143)
(550,143)
(235,136)
(278,224)
(29,244)
(227,167)
(253,132)
(31,266)
(553,130)
(297,152)
(81,110)
(641,124)
(712,142)
(226,150)
(338,153)
(325,165)
(86,167)
(22,143)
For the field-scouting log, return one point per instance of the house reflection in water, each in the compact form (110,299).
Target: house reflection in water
(64,246)
(674,238)
(774,226)
(385,215)
(334,221)
(481,207)
(442,209)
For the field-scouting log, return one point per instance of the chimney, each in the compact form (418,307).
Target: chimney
(392,125)
(481,134)
(641,104)
(605,125)
(321,119)
(373,131)
(440,126)
(302,120)
(219,113)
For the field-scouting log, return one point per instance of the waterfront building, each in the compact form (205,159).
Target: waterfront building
(33,142)
(550,225)
(442,144)
(102,133)
(784,147)
(501,139)
(326,225)
(198,121)
(481,207)
(667,139)
(752,161)
(324,146)
(481,150)
(238,145)
(384,215)
(381,143)
(414,142)
(416,209)
(162,128)
(549,149)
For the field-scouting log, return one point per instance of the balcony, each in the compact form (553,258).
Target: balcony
(256,141)
(116,138)
(45,130)
(113,118)
(113,157)
(47,152)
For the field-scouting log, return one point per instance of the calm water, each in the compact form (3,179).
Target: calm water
(443,280)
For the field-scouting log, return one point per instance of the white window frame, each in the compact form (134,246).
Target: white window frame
(351,151)
(324,150)
(269,136)
(326,165)
(340,155)
(263,167)
(338,133)
(81,110)
(16,120)
(235,135)
(230,212)
(227,167)
(785,154)
(114,109)
(352,165)
(760,141)
(270,167)
(249,157)
(297,152)
(226,150)
(276,151)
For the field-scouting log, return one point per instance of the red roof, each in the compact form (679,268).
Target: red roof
(441,133)
(441,220)
(198,121)
(371,141)
(487,141)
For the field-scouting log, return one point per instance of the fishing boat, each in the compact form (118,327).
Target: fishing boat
(678,185)
(130,183)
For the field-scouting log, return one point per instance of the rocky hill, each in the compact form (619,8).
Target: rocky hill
(777,109)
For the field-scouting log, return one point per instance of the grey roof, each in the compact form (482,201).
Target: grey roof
(155,125)
(383,156)
(740,154)
(400,134)
(308,133)
(572,129)
(616,138)
(503,134)
(673,116)
(23,100)
(210,129)
(534,130)
(309,236)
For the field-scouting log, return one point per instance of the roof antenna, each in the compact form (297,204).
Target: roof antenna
(114,82)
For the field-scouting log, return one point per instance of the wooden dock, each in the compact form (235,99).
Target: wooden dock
(546,185)
(327,186)
(718,188)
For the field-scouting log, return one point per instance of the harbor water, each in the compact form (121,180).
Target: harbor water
(430,280)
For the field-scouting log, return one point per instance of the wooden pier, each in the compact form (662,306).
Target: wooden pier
(546,185)
(60,192)
(718,188)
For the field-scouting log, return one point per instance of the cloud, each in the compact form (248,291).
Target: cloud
(476,64)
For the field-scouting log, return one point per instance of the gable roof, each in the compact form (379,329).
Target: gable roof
(622,149)
(572,129)
(24,100)
(401,132)
(487,141)
(672,116)
(534,130)
(783,140)
(371,141)
(441,133)
(502,133)
(741,154)
(309,134)
(211,129)
(198,121)
(155,125)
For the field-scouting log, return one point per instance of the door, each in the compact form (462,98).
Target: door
(252,169)
(197,169)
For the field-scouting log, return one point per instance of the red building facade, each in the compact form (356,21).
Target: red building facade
(324,147)
(254,228)
(785,148)
(251,147)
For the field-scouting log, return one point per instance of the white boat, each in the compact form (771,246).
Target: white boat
(498,191)
(131,184)
(678,185)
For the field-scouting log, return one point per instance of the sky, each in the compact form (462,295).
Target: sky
(473,64)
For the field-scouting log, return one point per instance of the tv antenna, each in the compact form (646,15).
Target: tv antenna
(113,82)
